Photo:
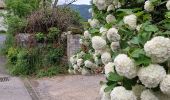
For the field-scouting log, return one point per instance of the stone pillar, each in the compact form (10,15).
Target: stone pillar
(73,45)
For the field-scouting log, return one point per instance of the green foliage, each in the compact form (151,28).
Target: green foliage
(40,37)
(53,33)
(53,56)
(22,8)
(12,55)
(15,23)
(22,66)
(54,70)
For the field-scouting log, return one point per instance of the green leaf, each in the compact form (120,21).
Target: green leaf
(114,77)
(151,28)
(137,52)
(142,60)
(144,37)
(129,83)
(135,40)
(167,15)
(110,88)
(127,11)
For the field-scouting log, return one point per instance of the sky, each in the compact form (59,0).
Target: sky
(77,2)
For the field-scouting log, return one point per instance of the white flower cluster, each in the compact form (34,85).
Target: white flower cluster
(87,35)
(165,85)
(109,68)
(168,4)
(149,6)
(104,95)
(115,46)
(152,75)
(94,23)
(158,49)
(148,95)
(101,4)
(103,31)
(120,93)
(112,35)
(110,8)
(110,18)
(98,43)
(106,58)
(79,66)
(125,66)
(131,20)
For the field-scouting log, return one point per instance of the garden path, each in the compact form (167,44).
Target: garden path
(11,88)
(68,87)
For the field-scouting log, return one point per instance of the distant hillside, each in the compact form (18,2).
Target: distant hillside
(83,10)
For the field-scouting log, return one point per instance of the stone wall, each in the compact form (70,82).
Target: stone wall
(73,44)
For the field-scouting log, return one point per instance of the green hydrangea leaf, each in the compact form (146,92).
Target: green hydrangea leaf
(114,77)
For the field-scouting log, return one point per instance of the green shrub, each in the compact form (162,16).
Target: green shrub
(53,34)
(23,65)
(53,55)
(15,23)
(22,7)
(40,37)
(12,55)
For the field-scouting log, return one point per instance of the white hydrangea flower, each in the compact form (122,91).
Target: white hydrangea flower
(106,58)
(149,6)
(115,46)
(80,54)
(79,62)
(110,8)
(158,49)
(117,3)
(106,96)
(137,90)
(89,20)
(152,75)
(75,67)
(98,43)
(100,51)
(94,23)
(94,1)
(148,95)
(109,68)
(85,72)
(101,4)
(110,18)
(81,41)
(125,66)
(165,85)
(93,13)
(71,71)
(88,64)
(120,93)
(131,20)
(168,5)
(87,35)
(73,60)
(113,35)
(104,32)
(138,27)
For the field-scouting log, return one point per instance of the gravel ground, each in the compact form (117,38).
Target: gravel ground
(75,87)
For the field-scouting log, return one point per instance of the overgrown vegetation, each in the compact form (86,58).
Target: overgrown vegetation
(34,45)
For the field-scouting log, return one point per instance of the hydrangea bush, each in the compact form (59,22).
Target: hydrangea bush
(129,40)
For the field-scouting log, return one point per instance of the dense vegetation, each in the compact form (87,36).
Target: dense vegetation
(34,45)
